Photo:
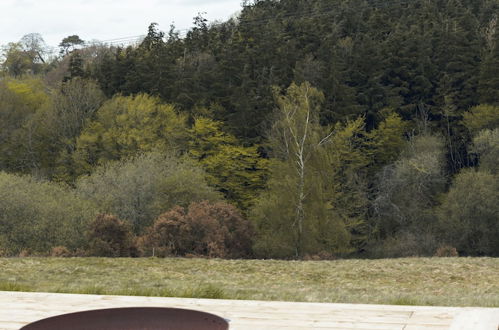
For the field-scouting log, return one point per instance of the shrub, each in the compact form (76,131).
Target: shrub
(25,253)
(404,244)
(80,253)
(446,251)
(38,215)
(204,229)
(468,215)
(60,251)
(481,117)
(110,237)
(407,190)
(322,255)
(486,147)
(139,189)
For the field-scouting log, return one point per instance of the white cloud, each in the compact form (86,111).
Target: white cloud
(102,19)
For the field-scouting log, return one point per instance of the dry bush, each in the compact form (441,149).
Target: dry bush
(141,245)
(110,237)
(204,229)
(322,255)
(80,253)
(60,251)
(446,251)
(25,253)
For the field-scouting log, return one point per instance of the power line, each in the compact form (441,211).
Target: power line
(117,39)
(311,13)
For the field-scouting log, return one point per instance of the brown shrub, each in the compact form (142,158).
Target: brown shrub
(60,251)
(446,251)
(108,236)
(322,255)
(204,229)
(25,253)
(142,246)
(80,253)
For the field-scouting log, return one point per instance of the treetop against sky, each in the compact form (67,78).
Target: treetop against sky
(102,19)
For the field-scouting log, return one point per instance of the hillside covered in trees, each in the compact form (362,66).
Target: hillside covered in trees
(300,128)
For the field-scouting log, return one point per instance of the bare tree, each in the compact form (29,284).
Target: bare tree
(34,45)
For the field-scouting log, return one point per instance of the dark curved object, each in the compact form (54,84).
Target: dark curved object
(147,318)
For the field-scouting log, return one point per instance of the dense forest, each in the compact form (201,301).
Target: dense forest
(298,129)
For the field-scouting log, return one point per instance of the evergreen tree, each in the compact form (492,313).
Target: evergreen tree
(489,71)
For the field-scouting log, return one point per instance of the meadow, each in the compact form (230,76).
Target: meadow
(405,281)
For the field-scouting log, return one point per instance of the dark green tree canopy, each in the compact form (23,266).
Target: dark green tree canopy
(70,43)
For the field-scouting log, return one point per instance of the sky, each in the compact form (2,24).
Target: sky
(103,19)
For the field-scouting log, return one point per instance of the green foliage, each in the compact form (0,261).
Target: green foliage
(24,57)
(486,147)
(206,136)
(59,125)
(336,166)
(405,243)
(70,43)
(293,216)
(125,126)
(236,171)
(469,213)
(75,66)
(489,73)
(481,117)
(20,101)
(408,189)
(343,165)
(16,62)
(274,215)
(204,229)
(365,56)
(387,140)
(40,128)
(139,189)
(39,215)
(107,236)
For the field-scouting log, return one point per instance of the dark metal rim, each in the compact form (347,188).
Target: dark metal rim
(223,323)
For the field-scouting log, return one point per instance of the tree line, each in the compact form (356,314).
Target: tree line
(298,129)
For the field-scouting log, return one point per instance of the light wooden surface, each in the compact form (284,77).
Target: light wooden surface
(20,308)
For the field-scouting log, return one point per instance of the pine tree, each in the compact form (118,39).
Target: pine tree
(488,87)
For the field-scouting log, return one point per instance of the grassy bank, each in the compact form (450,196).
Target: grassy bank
(411,281)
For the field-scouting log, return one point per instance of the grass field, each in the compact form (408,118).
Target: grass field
(410,281)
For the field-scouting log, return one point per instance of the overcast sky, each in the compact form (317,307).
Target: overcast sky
(102,19)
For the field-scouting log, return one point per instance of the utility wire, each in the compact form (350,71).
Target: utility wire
(310,13)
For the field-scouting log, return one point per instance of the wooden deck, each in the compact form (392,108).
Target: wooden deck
(19,308)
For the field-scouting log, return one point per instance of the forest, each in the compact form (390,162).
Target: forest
(300,129)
